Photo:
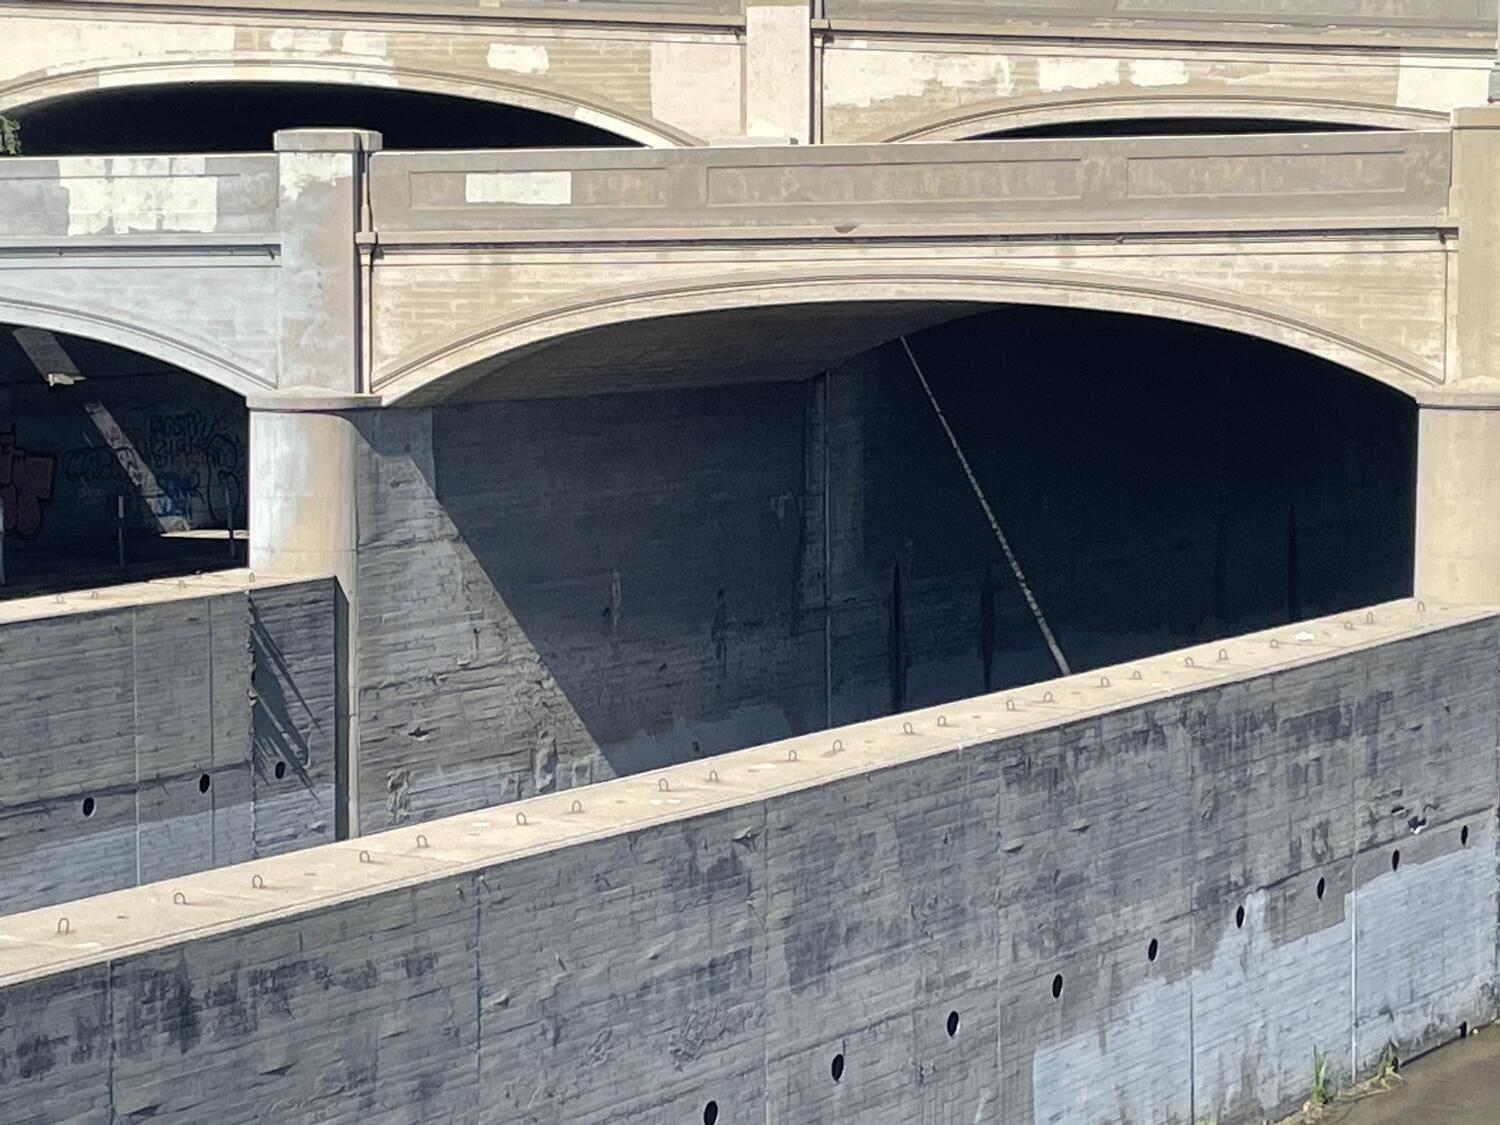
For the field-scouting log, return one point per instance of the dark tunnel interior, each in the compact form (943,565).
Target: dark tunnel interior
(799,550)
(1170,127)
(242,116)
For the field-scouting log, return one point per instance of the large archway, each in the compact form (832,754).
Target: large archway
(1114,114)
(114,466)
(678,536)
(242,116)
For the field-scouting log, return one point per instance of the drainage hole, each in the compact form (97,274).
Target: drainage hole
(88,806)
(837,1069)
(1395,859)
(1463,836)
(952,1024)
(280,770)
(1152,950)
(1239,918)
(204,782)
(1057,986)
(710,1113)
(1322,887)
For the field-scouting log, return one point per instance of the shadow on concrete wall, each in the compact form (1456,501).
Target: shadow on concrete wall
(615,582)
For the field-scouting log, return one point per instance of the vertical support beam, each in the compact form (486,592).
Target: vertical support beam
(1475,303)
(303,448)
(304,523)
(778,70)
(1458,500)
(320,298)
(1458,439)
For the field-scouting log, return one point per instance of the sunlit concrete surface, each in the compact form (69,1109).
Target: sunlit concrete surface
(1140,854)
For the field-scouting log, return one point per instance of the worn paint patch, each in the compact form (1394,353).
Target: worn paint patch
(518,58)
(304,169)
(66,44)
(302,40)
(124,195)
(1440,83)
(373,43)
(1158,72)
(1054,74)
(860,78)
(527,188)
(778,69)
(696,86)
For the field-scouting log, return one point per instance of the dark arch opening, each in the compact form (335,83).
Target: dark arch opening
(100,445)
(242,116)
(1171,127)
(757,510)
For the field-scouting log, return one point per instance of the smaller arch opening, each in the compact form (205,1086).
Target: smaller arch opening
(1239,918)
(280,770)
(1057,986)
(953,1022)
(1171,127)
(204,782)
(1152,950)
(1463,836)
(1396,859)
(88,806)
(836,1068)
(1322,887)
(711,1113)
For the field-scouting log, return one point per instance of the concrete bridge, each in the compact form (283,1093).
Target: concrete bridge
(331,277)
(673,73)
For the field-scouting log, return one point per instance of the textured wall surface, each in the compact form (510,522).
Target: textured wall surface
(126,738)
(560,591)
(1154,906)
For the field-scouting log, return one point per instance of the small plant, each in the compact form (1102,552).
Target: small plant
(10,137)
(1320,1091)
(1385,1072)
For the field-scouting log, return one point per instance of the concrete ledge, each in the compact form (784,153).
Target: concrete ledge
(139,593)
(293,402)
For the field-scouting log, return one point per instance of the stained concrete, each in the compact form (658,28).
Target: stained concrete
(793,935)
(143,729)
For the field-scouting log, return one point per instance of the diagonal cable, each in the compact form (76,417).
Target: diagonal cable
(989,514)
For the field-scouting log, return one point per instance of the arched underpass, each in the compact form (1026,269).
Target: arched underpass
(104,454)
(778,536)
(194,117)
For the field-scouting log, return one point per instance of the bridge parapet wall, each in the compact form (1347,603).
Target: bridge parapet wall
(70,198)
(1112,897)
(1059,183)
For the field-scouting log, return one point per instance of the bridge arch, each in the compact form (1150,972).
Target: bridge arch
(193,355)
(433,373)
(1074,107)
(47,86)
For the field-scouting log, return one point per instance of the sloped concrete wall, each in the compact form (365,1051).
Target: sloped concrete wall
(142,741)
(1151,909)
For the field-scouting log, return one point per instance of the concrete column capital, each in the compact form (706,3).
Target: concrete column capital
(1460,397)
(327,140)
(311,403)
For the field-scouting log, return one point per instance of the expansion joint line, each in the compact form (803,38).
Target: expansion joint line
(989,514)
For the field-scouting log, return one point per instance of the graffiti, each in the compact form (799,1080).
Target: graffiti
(180,465)
(25,482)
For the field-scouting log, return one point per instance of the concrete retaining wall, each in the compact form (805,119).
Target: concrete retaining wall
(1132,899)
(168,731)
